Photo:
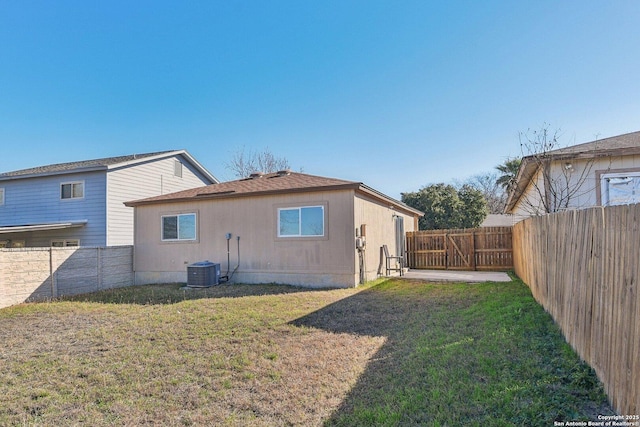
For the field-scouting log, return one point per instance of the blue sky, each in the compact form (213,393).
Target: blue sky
(396,94)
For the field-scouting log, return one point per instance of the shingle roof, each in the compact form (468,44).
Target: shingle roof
(628,141)
(84,164)
(272,183)
(284,181)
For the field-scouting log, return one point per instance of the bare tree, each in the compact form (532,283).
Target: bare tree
(245,163)
(493,193)
(556,185)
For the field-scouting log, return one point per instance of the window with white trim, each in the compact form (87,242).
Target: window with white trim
(65,243)
(72,190)
(179,227)
(620,188)
(306,221)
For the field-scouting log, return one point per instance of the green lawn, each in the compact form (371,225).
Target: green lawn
(393,353)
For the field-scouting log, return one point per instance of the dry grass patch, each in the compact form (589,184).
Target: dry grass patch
(391,353)
(230,357)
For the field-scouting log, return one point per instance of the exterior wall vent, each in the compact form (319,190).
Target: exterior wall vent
(203,274)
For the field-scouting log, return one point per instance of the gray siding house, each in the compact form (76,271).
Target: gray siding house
(81,203)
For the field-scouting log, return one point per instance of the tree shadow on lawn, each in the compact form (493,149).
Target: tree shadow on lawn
(450,360)
(173,293)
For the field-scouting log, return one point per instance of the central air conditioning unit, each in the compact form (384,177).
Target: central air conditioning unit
(203,274)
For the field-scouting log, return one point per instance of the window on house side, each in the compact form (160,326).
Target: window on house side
(179,227)
(621,189)
(305,221)
(1,196)
(72,190)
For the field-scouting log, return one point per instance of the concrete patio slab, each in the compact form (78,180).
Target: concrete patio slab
(457,276)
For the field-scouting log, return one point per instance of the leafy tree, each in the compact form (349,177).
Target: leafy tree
(509,171)
(446,207)
(474,207)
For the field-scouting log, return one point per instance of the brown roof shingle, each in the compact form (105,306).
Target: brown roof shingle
(279,182)
(272,183)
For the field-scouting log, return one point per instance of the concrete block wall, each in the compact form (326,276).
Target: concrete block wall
(34,274)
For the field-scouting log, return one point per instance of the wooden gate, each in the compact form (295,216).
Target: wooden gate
(486,248)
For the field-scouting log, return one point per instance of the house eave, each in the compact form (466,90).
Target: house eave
(42,226)
(56,173)
(184,153)
(231,195)
(526,172)
(393,203)
(12,176)
(356,186)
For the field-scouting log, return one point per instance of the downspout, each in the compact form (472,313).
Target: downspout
(361,244)
(227,277)
(238,265)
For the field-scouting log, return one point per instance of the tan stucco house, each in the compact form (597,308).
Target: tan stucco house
(598,173)
(283,227)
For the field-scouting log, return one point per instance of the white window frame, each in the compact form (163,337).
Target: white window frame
(1,196)
(72,184)
(604,184)
(65,243)
(179,238)
(299,234)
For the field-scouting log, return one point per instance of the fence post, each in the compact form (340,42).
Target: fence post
(99,268)
(473,250)
(52,275)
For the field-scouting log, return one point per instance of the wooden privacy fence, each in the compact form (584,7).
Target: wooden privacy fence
(485,248)
(583,267)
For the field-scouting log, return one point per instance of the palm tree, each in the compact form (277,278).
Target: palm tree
(509,172)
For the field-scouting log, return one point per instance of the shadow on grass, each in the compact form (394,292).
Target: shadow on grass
(458,354)
(176,292)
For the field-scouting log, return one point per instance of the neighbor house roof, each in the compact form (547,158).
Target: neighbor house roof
(629,143)
(273,183)
(103,164)
(621,145)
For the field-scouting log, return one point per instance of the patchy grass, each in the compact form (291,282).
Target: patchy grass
(392,353)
